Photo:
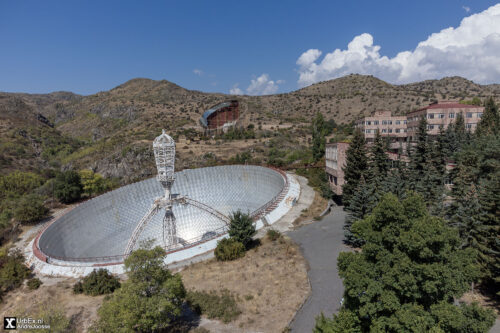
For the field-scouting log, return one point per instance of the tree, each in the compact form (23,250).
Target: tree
(343,322)
(241,228)
(356,166)
(361,204)
(410,262)
(419,156)
(319,130)
(150,300)
(93,183)
(68,186)
(30,209)
(490,120)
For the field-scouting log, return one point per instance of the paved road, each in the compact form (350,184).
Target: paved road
(321,243)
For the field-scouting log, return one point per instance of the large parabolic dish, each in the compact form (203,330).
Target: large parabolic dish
(99,229)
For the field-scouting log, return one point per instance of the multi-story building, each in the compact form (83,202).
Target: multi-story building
(399,129)
(441,114)
(393,127)
(335,156)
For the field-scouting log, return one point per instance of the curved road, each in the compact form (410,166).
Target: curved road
(321,242)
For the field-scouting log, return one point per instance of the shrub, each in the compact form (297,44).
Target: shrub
(13,271)
(273,234)
(68,186)
(34,283)
(222,307)
(229,249)
(241,228)
(99,282)
(30,209)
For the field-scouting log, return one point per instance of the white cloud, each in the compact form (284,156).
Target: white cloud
(235,90)
(262,85)
(198,72)
(471,50)
(467,9)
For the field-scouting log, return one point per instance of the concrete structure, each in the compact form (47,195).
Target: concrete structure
(392,127)
(220,117)
(335,157)
(441,114)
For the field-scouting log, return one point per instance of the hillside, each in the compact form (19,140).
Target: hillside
(111,131)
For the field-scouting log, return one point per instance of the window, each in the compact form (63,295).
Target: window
(334,180)
(384,122)
(390,122)
(390,130)
(430,116)
(367,131)
(469,114)
(440,115)
(451,115)
(368,122)
(397,130)
(404,122)
(375,122)
(469,126)
(479,114)
(398,122)
(430,127)
(384,131)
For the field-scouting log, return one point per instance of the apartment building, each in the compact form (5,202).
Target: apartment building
(441,114)
(393,127)
(335,157)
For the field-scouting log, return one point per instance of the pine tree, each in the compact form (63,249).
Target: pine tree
(418,161)
(378,164)
(361,204)
(490,121)
(356,166)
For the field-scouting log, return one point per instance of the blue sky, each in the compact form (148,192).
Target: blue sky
(91,46)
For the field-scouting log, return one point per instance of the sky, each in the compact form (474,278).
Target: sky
(243,47)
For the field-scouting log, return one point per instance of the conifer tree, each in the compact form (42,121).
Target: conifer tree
(361,204)
(356,166)
(490,121)
(418,161)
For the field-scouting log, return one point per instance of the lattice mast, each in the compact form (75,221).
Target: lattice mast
(164,151)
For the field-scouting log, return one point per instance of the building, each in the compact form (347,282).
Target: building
(335,156)
(399,130)
(441,114)
(221,116)
(393,127)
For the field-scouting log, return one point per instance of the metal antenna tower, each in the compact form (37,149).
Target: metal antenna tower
(164,151)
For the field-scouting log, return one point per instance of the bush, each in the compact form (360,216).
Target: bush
(99,282)
(241,228)
(13,271)
(34,283)
(222,307)
(30,209)
(273,234)
(68,186)
(229,249)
